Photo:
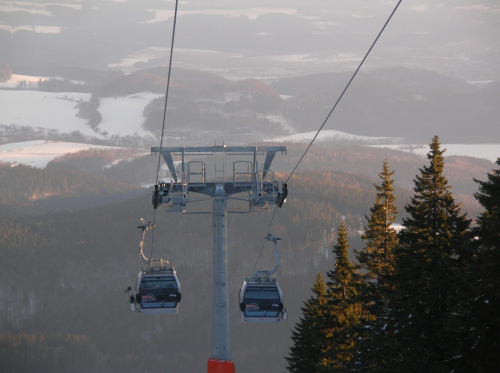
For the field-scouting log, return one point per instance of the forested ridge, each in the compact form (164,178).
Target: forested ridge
(399,103)
(28,190)
(63,273)
(24,184)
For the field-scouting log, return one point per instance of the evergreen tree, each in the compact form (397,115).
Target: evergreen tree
(423,328)
(377,260)
(489,221)
(344,312)
(308,338)
(484,277)
(380,238)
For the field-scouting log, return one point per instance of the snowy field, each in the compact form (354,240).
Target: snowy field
(327,135)
(123,115)
(40,153)
(484,151)
(120,116)
(53,111)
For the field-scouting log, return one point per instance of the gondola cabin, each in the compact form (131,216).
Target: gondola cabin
(158,291)
(261,301)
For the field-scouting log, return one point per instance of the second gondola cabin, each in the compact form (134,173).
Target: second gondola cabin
(261,300)
(158,291)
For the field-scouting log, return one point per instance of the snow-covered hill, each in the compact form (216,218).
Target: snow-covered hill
(121,116)
(333,135)
(485,151)
(40,153)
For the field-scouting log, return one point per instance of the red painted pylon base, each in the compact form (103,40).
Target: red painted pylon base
(220,366)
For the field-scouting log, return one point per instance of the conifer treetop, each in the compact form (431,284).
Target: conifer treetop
(489,197)
(341,276)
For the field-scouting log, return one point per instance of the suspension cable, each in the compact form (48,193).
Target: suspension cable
(328,117)
(168,86)
(345,89)
(264,241)
(164,119)
(158,172)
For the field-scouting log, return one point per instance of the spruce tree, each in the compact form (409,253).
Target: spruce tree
(306,353)
(489,221)
(380,237)
(377,261)
(483,308)
(422,330)
(344,312)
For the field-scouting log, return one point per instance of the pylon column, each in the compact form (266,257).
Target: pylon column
(220,361)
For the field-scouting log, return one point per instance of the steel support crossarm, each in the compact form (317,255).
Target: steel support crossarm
(218,149)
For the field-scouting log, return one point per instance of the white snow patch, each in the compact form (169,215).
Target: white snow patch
(280,119)
(44,109)
(37,28)
(419,8)
(317,58)
(328,135)
(123,115)
(397,227)
(361,16)
(57,111)
(485,151)
(475,7)
(160,15)
(32,8)
(480,83)
(143,55)
(38,153)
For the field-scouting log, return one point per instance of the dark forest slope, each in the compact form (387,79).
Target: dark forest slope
(25,190)
(63,273)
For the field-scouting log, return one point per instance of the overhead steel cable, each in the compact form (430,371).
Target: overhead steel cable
(264,241)
(168,86)
(164,117)
(158,168)
(329,115)
(345,89)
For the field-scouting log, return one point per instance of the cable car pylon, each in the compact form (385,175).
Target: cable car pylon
(261,190)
